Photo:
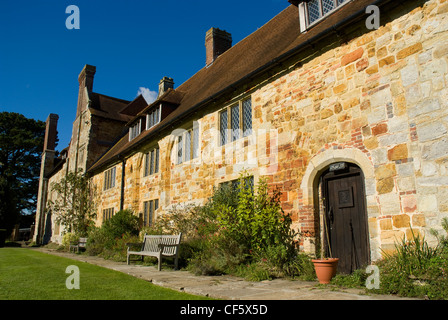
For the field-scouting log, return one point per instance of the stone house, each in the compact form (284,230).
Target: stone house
(349,121)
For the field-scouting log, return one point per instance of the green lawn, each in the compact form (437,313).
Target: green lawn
(30,275)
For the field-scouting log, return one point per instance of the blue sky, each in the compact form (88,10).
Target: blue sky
(133,44)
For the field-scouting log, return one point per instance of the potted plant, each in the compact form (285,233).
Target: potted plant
(325,267)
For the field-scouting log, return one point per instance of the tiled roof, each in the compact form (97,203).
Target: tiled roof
(278,39)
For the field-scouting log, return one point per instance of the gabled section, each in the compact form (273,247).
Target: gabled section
(151,115)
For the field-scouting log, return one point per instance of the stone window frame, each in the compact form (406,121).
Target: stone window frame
(151,162)
(108,213)
(109,178)
(149,208)
(234,131)
(304,13)
(234,183)
(187,143)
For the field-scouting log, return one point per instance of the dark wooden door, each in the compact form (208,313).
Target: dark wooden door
(346,217)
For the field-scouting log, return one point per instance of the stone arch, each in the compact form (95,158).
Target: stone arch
(322,160)
(310,184)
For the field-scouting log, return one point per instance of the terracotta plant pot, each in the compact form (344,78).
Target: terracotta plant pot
(325,269)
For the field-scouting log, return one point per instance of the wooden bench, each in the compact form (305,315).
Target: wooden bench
(81,243)
(158,246)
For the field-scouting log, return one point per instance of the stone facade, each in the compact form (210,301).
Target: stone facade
(377,99)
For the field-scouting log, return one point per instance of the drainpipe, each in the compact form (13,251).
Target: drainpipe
(123,166)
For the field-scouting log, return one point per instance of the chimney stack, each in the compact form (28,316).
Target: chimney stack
(165,84)
(51,132)
(85,80)
(216,42)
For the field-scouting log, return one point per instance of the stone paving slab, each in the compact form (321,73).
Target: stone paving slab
(228,287)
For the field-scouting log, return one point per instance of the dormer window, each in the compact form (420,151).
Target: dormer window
(312,11)
(135,130)
(153,117)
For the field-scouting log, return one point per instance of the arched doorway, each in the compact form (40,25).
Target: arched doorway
(343,205)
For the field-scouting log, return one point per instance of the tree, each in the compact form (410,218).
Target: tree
(21,144)
(73,207)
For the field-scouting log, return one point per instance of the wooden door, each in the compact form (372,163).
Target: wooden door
(346,217)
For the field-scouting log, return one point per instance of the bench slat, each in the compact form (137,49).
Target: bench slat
(159,246)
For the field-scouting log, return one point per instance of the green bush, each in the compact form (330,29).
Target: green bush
(238,227)
(110,239)
(415,270)
(69,238)
(122,222)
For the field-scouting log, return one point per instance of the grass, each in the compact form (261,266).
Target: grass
(30,275)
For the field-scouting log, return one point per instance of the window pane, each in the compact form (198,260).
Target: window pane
(151,165)
(113,178)
(327,6)
(179,149)
(145,213)
(146,164)
(156,169)
(195,143)
(188,146)
(235,116)
(223,127)
(156,204)
(247,117)
(313,10)
(151,212)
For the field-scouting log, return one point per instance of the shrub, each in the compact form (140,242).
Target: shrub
(68,238)
(122,222)
(109,240)
(415,270)
(239,227)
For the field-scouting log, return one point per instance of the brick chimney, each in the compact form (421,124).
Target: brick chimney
(165,84)
(85,80)
(216,42)
(51,132)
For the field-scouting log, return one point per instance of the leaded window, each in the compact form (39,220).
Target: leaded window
(316,9)
(188,145)
(235,125)
(149,207)
(240,124)
(153,117)
(109,178)
(223,126)
(247,117)
(108,213)
(135,130)
(152,162)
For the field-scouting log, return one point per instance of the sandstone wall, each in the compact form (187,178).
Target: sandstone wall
(379,100)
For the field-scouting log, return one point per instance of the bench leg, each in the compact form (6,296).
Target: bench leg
(127,259)
(176,263)
(159,258)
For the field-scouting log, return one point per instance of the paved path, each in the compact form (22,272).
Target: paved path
(228,287)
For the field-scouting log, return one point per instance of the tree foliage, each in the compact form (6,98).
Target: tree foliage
(21,144)
(73,206)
